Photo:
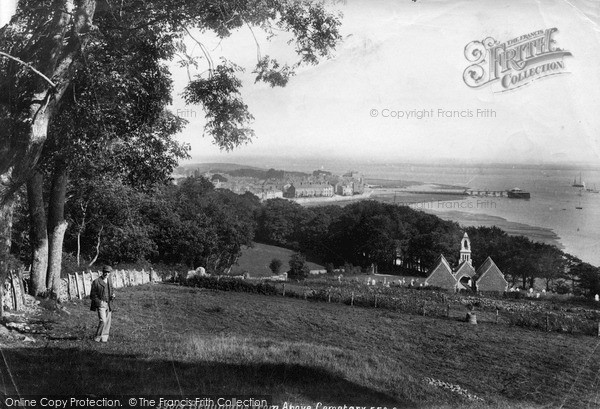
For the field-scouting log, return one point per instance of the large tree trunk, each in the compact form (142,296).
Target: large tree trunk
(55,45)
(55,48)
(39,233)
(6,214)
(55,261)
(57,227)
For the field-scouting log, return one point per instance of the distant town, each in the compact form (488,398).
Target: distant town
(271,184)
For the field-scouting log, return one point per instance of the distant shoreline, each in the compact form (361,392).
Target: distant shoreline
(402,197)
(535,233)
(467,219)
(325,200)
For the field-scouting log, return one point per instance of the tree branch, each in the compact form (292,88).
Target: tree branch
(204,50)
(258,56)
(53,85)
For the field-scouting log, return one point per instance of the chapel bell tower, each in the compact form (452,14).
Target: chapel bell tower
(465,249)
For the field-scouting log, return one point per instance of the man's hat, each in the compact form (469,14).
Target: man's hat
(107,269)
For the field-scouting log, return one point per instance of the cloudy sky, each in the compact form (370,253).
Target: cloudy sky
(400,55)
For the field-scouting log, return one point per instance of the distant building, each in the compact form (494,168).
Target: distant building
(357,180)
(309,190)
(269,194)
(487,277)
(344,189)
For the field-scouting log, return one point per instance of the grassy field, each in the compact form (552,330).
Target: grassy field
(255,260)
(176,340)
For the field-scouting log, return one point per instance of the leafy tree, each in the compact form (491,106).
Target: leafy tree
(588,278)
(279,222)
(137,147)
(48,40)
(275,266)
(298,268)
(114,227)
(196,225)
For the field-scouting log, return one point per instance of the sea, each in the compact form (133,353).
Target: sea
(556,213)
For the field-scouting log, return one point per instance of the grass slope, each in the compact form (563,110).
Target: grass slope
(183,341)
(255,260)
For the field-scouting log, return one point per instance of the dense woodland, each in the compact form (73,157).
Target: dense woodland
(193,224)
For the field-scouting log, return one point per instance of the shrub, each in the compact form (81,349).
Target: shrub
(275,266)
(562,287)
(232,284)
(515,295)
(298,268)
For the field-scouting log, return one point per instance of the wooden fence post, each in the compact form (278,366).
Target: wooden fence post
(21,284)
(14,290)
(375,300)
(284,289)
(83,283)
(329,296)
(424,306)
(1,299)
(77,286)
(69,297)
(497,312)
(547,323)
(352,301)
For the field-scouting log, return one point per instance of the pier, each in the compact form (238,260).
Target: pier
(464,192)
(438,192)
(487,193)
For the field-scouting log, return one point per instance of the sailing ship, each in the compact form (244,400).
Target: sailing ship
(580,184)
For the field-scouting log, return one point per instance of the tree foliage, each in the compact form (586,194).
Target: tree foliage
(275,266)
(84,85)
(298,267)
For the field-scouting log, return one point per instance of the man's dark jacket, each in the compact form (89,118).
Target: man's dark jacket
(101,291)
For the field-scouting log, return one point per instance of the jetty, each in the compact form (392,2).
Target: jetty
(462,192)
(486,193)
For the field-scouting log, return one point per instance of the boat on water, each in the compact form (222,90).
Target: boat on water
(516,193)
(594,190)
(579,183)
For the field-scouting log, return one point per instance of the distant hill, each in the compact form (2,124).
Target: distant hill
(235,169)
(265,174)
(206,167)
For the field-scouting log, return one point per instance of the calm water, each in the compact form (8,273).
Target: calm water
(552,205)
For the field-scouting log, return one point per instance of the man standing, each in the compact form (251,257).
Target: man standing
(101,295)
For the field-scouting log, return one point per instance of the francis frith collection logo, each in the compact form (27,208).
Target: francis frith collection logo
(513,63)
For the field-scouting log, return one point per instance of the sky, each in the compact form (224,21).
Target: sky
(402,55)
(399,56)
(7,8)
